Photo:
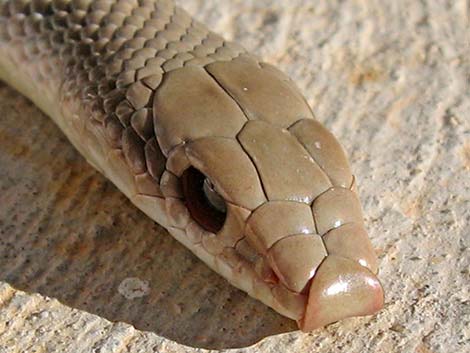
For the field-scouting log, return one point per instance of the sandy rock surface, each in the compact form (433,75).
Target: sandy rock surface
(81,270)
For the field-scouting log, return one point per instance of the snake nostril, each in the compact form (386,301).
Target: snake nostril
(206,207)
(264,270)
(272,278)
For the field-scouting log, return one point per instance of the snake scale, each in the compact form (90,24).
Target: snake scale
(212,143)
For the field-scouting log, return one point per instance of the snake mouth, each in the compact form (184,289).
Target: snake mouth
(341,288)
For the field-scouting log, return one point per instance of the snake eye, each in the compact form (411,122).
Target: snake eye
(205,205)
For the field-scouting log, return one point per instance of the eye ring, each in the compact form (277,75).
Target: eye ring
(207,215)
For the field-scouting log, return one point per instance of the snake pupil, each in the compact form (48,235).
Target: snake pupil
(205,205)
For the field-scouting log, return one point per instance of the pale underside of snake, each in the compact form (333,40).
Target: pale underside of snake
(213,144)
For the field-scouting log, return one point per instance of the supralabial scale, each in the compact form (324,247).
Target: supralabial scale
(212,143)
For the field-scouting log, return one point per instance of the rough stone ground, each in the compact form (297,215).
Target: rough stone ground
(390,78)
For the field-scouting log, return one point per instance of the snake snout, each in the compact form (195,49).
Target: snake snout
(333,287)
(321,277)
(341,288)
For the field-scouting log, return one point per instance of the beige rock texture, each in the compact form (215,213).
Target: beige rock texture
(82,270)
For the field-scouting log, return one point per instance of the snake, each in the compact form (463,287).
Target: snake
(212,143)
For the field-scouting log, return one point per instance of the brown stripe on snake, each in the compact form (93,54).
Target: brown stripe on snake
(218,147)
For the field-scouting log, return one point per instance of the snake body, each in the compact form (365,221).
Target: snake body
(212,143)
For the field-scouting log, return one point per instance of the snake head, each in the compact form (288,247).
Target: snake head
(216,146)
(263,193)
